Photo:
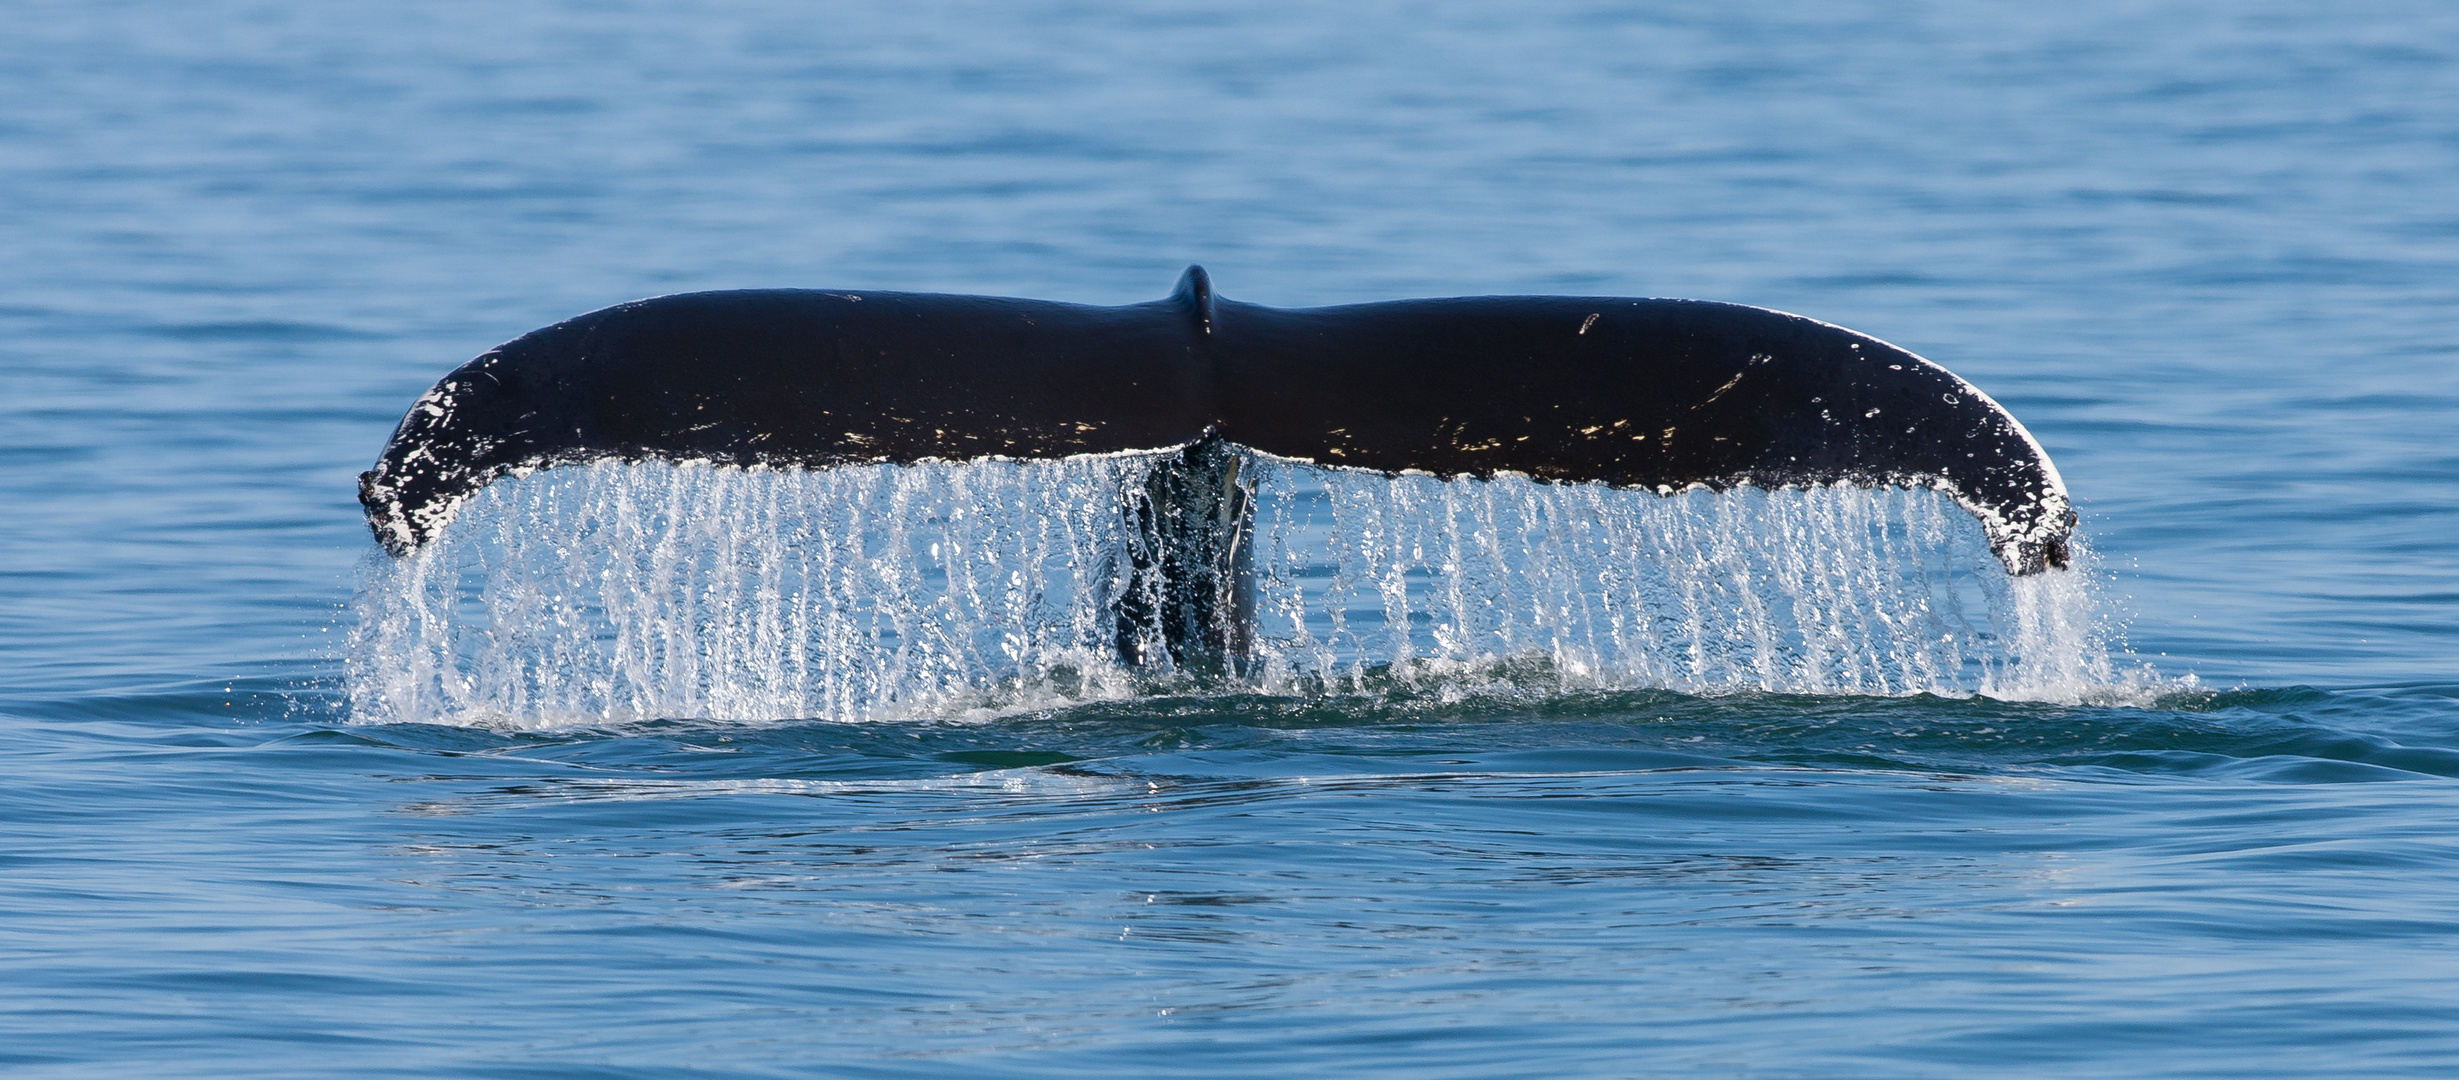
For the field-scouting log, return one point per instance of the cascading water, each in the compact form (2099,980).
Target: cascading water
(618,591)
(1828,590)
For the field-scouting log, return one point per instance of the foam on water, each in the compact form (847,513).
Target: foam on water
(620,591)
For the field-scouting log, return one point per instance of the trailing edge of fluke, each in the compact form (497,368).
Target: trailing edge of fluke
(1655,394)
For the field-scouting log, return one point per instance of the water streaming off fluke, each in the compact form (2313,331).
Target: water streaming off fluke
(617,591)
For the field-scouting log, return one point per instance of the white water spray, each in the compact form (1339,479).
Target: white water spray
(623,591)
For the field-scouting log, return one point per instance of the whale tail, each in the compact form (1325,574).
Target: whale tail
(1661,395)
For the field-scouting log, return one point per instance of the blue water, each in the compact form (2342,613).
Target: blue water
(2208,253)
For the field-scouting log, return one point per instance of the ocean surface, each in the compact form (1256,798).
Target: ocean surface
(1537,781)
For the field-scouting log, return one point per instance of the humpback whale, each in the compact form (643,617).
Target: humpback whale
(1653,394)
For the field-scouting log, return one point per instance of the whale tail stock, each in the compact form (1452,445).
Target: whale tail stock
(1655,394)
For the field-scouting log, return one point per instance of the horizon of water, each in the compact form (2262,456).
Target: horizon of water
(2206,253)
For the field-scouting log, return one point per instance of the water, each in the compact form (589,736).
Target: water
(619,592)
(2206,254)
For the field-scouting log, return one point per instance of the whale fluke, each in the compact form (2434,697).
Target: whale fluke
(1654,394)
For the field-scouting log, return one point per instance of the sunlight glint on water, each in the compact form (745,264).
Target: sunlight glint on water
(614,592)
